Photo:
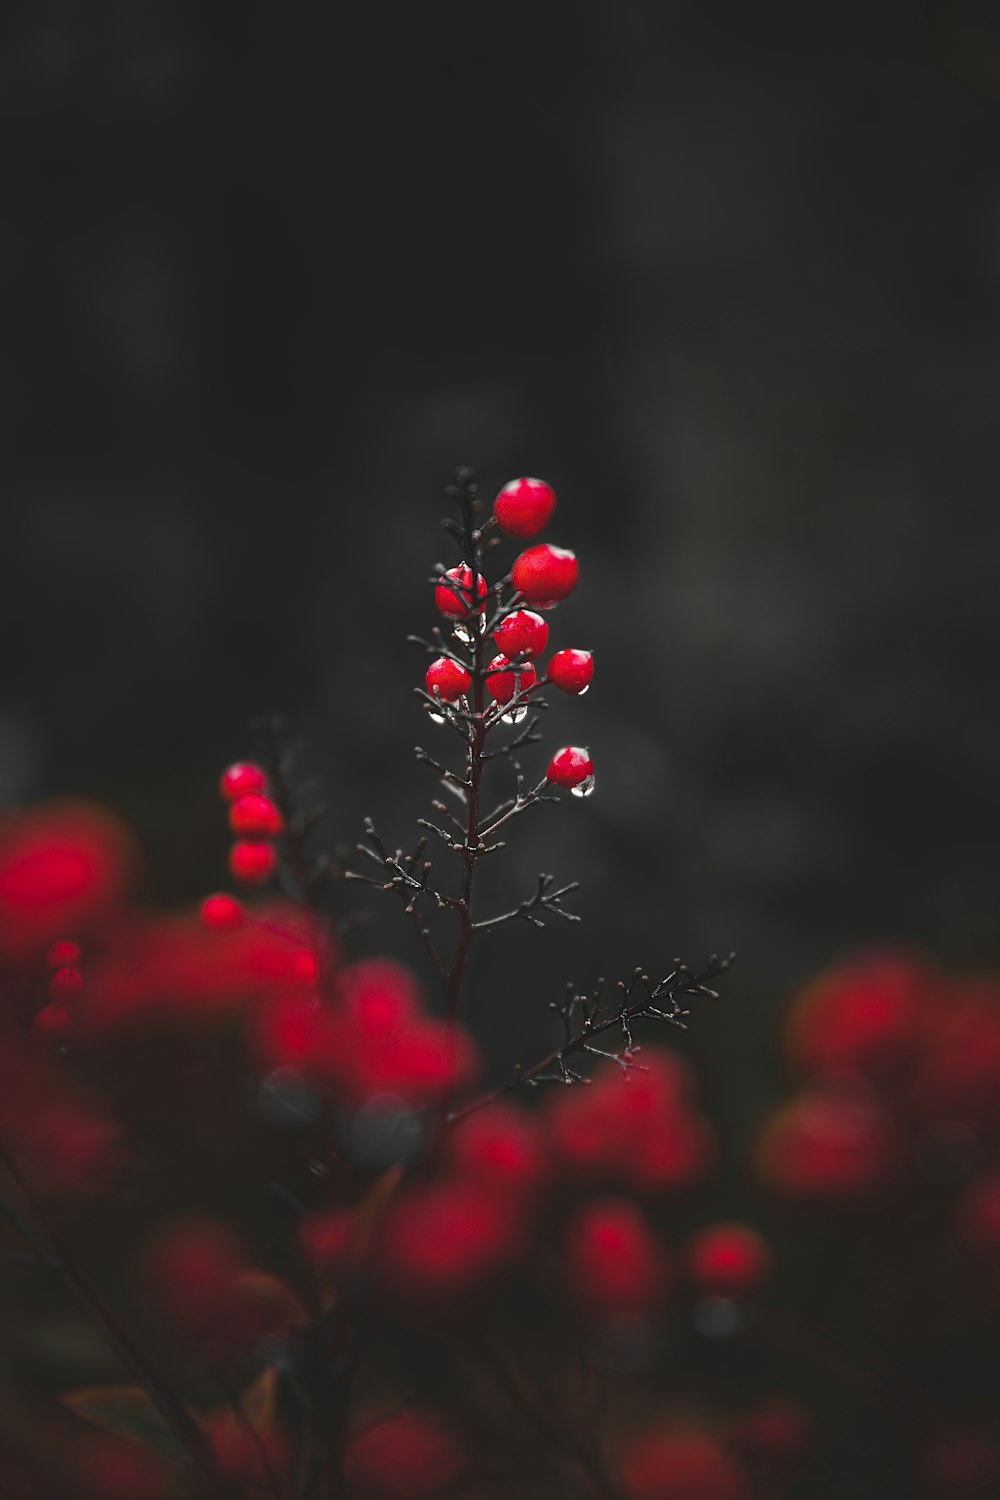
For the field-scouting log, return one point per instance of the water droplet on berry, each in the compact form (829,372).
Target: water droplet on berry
(584,691)
(584,788)
(466,634)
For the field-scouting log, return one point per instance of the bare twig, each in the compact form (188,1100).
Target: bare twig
(638,998)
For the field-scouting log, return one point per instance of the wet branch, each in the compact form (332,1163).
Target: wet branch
(637,998)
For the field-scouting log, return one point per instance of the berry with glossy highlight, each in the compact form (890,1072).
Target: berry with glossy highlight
(522,634)
(457,603)
(571,766)
(242,777)
(255,816)
(448,679)
(524,506)
(545,574)
(504,684)
(572,671)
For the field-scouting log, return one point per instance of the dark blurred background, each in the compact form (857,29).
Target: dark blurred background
(727,276)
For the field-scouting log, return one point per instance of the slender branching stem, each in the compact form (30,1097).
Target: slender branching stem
(657,1002)
(36,1231)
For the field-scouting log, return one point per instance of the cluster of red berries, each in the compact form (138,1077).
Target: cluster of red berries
(256,821)
(899,1068)
(541,576)
(54,1022)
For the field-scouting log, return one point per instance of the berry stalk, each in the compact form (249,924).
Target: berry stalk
(473,545)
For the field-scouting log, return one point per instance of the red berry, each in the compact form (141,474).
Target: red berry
(242,777)
(978,1222)
(443,1244)
(728,1260)
(252,863)
(833,1142)
(571,766)
(411,1452)
(572,671)
(524,506)
(458,602)
(614,1262)
(255,816)
(222,912)
(683,1465)
(772,1433)
(503,684)
(522,634)
(328,1240)
(545,574)
(62,954)
(65,984)
(449,678)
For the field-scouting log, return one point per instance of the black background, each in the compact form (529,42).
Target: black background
(727,275)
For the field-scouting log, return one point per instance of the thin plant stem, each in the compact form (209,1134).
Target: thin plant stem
(46,1244)
(576,1451)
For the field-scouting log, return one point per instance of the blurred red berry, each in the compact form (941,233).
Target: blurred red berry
(524,506)
(254,816)
(65,984)
(977,1223)
(413,1453)
(70,1148)
(250,1458)
(956,1074)
(53,1024)
(501,1147)
(866,1016)
(679,1466)
(634,1131)
(773,1432)
(62,954)
(504,684)
(380,1041)
(289,1030)
(614,1262)
(572,671)
(252,863)
(443,1244)
(109,1468)
(210,1296)
(962,1464)
(448,679)
(222,912)
(458,602)
(522,633)
(835,1141)
(571,766)
(728,1260)
(328,1241)
(545,574)
(62,868)
(241,778)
